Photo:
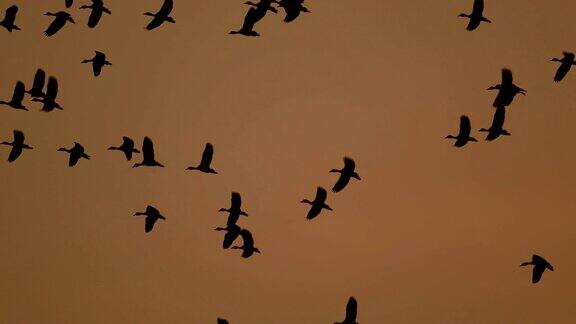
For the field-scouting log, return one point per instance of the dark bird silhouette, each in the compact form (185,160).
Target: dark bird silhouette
(161,16)
(507,90)
(204,165)
(148,155)
(76,153)
(351,312)
(345,174)
(250,19)
(60,19)
(540,265)
(98,61)
(17,97)
(232,233)
(567,62)
(262,8)
(476,16)
(10,19)
(152,215)
(127,147)
(235,209)
(463,136)
(98,8)
(49,99)
(37,90)
(17,146)
(293,8)
(247,248)
(497,123)
(222,321)
(318,204)
(69,3)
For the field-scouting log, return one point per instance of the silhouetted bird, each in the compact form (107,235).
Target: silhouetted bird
(127,147)
(69,3)
(17,146)
(17,97)
(476,16)
(247,248)
(161,16)
(206,160)
(98,8)
(37,90)
(463,136)
(351,312)
(235,209)
(76,153)
(98,61)
(49,99)
(222,321)
(262,8)
(292,9)
(540,265)
(497,123)
(232,233)
(61,17)
(567,62)
(507,90)
(148,154)
(345,174)
(318,204)
(250,20)
(152,215)
(10,18)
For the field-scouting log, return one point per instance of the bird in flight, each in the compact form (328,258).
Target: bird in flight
(76,153)
(351,312)
(221,321)
(37,90)
(17,145)
(232,233)
(152,215)
(497,125)
(507,90)
(98,8)
(345,174)
(250,19)
(60,19)
(49,99)
(540,265)
(476,16)
(148,155)
(98,61)
(318,204)
(161,16)
(17,97)
(69,3)
(235,209)
(10,19)
(247,248)
(127,147)
(567,62)
(204,165)
(293,8)
(463,136)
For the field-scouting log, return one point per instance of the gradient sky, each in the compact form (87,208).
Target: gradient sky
(432,234)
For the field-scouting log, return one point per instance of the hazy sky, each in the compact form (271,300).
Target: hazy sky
(432,234)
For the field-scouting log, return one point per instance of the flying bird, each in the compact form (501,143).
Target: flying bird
(37,90)
(235,209)
(221,321)
(17,97)
(10,18)
(540,265)
(247,248)
(567,62)
(345,174)
(507,90)
(127,147)
(76,153)
(232,233)
(98,61)
(204,165)
(148,155)
(476,16)
(293,8)
(69,3)
(60,19)
(98,8)
(161,16)
(497,125)
(250,19)
(351,312)
(49,99)
(463,136)
(318,204)
(17,145)
(152,215)
(262,8)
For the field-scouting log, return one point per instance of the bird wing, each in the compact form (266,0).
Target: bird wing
(349,164)
(96,68)
(562,71)
(499,117)
(478,7)
(19,91)
(507,77)
(11,13)
(207,155)
(155,23)
(69,3)
(473,24)
(351,310)
(313,212)
(222,321)
(247,237)
(148,149)
(55,26)
(537,272)
(94,18)
(229,238)
(39,79)
(291,14)
(236,201)
(150,210)
(127,142)
(14,153)
(321,195)
(73,160)
(465,127)
(250,19)
(149,223)
(341,183)
(18,136)
(166,8)
(52,88)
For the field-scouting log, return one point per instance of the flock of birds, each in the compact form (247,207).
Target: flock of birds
(507,91)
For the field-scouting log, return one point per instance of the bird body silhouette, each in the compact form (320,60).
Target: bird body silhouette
(248,248)
(17,145)
(60,19)
(152,215)
(98,61)
(567,62)
(127,147)
(232,233)
(463,136)
(476,16)
(345,174)
(293,8)
(49,99)
(235,209)
(540,265)
(351,312)
(37,90)
(204,165)
(98,9)
(318,204)
(148,155)
(10,19)
(507,90)
(161,16)
(497,125)
(75,154)
(69,3)
(250,19)
(17,97)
